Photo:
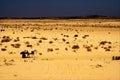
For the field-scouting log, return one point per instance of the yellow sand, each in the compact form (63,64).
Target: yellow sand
(91,60)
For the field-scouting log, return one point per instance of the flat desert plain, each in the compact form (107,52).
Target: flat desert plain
(66,49)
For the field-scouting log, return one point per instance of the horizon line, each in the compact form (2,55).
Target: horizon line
(66,17)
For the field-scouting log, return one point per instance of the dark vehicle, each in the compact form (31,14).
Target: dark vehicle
(24,54)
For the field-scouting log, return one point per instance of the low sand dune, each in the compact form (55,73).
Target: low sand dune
(66,49)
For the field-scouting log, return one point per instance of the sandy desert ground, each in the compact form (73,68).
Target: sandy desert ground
(67,49)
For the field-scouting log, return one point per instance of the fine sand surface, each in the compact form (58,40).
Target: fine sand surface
(73,49)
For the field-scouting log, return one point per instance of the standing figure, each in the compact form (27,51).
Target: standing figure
(32,53)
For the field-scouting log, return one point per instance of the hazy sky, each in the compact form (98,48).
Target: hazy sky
(55,8)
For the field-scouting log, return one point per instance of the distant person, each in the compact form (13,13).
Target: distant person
(25,54)
(33,52)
